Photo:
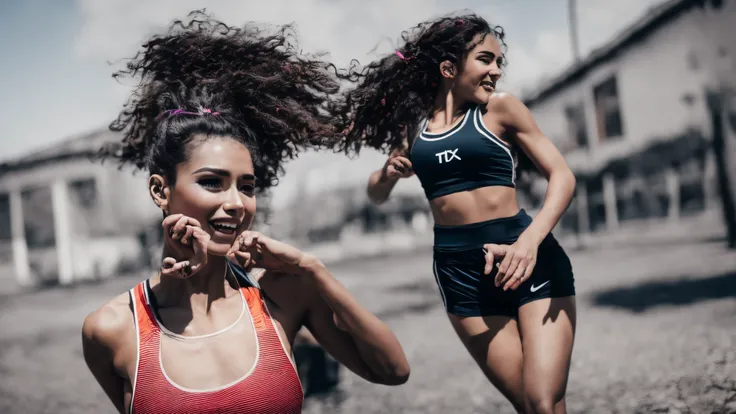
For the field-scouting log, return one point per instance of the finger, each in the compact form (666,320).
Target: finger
(180,270)
(187,234)
(391,172)
(251,239)
(168,263)
(529,269)
(489,259)
(501,274)
(516,278)
(169,222)
(398,166)
(404,162)
(179,228)
(515,283)
(245,260)
(201,240)
(512,271)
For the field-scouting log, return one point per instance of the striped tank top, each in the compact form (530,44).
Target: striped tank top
(271,386)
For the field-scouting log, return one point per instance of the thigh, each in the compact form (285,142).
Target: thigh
(547,329)
(495,345)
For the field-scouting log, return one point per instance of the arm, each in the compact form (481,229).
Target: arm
(380,186)
(520,124)
(345,329)
(348,331)
(97,336)
(519,121)
(382,182)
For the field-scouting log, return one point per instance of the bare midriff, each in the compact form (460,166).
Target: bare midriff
(478,205)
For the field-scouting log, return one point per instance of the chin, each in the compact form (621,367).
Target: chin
(217,249)
(482,97)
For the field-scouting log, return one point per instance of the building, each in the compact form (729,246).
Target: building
(633,120)
(65,217)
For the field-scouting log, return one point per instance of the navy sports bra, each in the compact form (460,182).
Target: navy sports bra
(466,157)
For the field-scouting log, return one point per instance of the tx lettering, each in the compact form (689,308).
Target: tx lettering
(447,155)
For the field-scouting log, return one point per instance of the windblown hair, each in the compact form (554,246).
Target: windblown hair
(394,94)
(237,81)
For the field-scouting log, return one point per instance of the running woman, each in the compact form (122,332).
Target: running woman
(506,283)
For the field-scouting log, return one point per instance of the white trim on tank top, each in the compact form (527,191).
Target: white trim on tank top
(493,138)
(452,131)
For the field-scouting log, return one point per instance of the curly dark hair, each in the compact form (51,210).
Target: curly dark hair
(258,88)
(394,94)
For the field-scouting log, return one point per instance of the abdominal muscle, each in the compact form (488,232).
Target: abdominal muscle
(481,204)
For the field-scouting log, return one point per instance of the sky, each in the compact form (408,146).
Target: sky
(58,55)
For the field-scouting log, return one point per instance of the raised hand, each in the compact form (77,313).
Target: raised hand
(253,249)
(187,244)
(397,165)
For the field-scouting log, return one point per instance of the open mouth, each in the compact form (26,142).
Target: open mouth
(224,228)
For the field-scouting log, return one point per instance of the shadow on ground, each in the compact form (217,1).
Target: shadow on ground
(685,291)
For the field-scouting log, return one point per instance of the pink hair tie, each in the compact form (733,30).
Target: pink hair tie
(401,56)
(172,112)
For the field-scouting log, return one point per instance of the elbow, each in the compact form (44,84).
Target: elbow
(396,375)
(564,175)
(571,179)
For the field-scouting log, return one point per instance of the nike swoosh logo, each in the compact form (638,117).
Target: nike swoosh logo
(536,288)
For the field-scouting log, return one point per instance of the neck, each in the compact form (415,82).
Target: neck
(199,291)
(447,106)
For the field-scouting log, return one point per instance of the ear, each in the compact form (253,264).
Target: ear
(448,70)
(160,191)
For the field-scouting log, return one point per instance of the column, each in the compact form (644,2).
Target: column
(672,180)
(710,185)
(581,201)
(62,231)
(609,201)
(20,247)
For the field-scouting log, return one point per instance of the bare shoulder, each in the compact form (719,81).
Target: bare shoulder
(503,103)
(108,325)
(511,113)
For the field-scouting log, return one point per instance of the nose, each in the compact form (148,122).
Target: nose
(494,71)
(234,203)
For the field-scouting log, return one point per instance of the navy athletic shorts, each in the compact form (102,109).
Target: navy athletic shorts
(459,261)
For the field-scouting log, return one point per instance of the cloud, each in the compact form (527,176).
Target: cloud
(114,29)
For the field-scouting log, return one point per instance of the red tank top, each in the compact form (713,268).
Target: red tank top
(273,385)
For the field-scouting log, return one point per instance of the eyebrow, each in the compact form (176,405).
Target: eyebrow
(223,173)
(485,52)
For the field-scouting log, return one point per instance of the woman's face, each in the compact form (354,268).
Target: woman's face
(216,186)
(479,72)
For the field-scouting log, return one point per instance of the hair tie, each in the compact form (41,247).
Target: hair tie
(172,112)
(401,56)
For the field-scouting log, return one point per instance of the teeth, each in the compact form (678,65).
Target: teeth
(224,225)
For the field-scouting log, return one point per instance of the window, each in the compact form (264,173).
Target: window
(5,231)
(575,116)
(84,193)
(608,110)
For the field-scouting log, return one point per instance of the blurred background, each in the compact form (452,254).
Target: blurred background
(639,95)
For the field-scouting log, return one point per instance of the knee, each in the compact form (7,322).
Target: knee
(540,404)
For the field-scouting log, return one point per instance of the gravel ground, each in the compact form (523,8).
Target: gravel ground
(656,334)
